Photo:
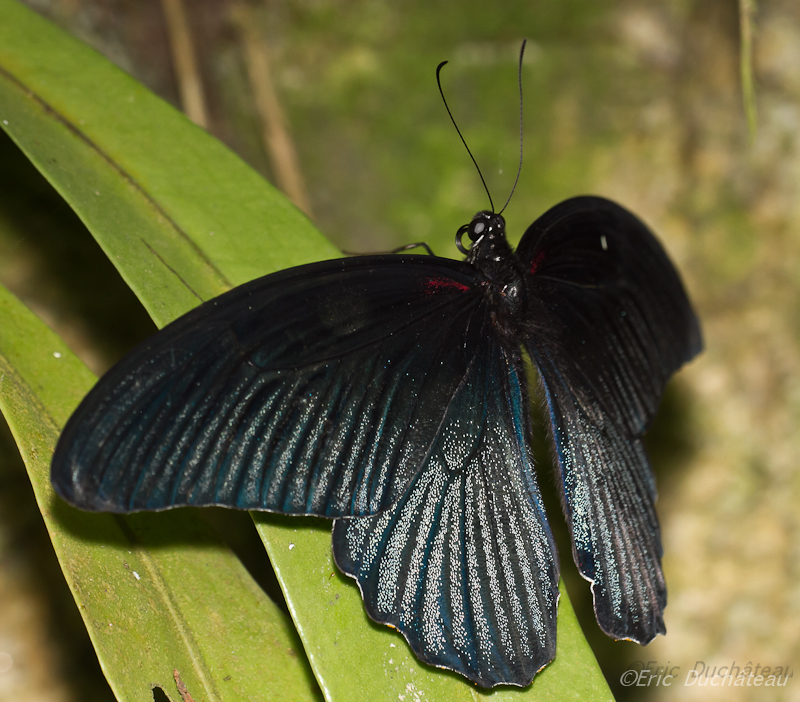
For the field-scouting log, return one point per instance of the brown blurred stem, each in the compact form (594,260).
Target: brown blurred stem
(747,11)
(274,127)
(183,56)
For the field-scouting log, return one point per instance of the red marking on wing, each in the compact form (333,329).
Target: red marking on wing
(443,285)
(537,261)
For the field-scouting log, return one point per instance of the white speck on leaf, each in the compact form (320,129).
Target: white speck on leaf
(136,575)
(291,546)
(56,354)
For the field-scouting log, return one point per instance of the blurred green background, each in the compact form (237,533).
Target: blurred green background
(636,100)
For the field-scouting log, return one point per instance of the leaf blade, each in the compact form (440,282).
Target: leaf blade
(133,591)
(174,282)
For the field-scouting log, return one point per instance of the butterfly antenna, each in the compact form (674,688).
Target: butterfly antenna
(519,169)
(463,141)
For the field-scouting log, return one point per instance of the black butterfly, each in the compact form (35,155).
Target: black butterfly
(388,392)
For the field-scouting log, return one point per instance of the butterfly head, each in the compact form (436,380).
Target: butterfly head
(484,231)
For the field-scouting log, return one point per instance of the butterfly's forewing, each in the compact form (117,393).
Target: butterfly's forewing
(610,322)
(315,390)
(464,565)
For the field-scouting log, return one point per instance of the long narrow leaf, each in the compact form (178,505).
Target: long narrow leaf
(150,607)
(202,220)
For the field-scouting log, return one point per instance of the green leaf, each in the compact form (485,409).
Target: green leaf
(182,219)
(150,606)
(359,655)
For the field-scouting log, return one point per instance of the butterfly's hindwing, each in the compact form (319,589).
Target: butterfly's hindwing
(464,564)
(609,495)
(610,324)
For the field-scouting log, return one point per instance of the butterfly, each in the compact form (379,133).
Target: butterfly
(389,393)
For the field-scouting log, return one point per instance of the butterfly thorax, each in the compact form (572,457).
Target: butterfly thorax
(492,255)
